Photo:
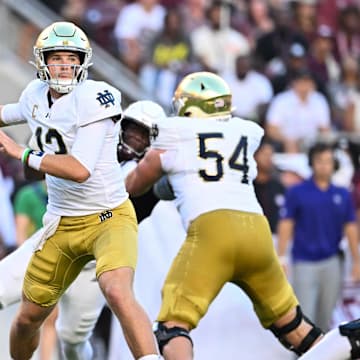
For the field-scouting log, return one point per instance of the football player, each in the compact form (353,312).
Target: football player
(138,128)
(208,157)
(89,216)
(81,304)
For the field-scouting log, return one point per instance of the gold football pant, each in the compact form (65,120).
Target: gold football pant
(109,237)
(226,246)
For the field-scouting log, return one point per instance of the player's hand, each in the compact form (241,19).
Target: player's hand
(10,147)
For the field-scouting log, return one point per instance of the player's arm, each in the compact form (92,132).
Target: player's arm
(76,167)
(11,114)
(148,171)
(63,166)
(285,235)
(352,235)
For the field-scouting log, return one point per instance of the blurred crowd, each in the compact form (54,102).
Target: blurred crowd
(292,66)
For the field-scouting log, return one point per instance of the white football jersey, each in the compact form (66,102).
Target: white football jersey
(54,129)
(210,163)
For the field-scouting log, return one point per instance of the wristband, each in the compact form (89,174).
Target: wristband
(25,155)
(34,159)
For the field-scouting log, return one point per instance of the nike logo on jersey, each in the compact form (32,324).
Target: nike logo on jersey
(106,98)
(105,215)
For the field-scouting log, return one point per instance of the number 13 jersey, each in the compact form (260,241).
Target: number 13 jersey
(55,127)
(210,163)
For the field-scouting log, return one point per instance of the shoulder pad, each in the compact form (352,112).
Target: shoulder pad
(97,100)
(168,134)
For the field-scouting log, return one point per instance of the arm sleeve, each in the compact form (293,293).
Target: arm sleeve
(12,114)
(88,152)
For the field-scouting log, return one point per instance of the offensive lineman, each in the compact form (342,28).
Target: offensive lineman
(89,215)
(208,157)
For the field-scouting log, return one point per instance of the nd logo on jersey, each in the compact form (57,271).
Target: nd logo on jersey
(106,98)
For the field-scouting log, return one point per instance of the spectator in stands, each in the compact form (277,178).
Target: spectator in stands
(99,21)
(135,27)
(273,47)
(297,115)
(216,44)
(259,20)
(328,12)
(74,11)
(268,187)
(295,60)
(170,4)
(252,91)
(169,56)
(29,206)
(194,14)
(316,216)
(321,59)
(345,96)
(348,34)
(304,14)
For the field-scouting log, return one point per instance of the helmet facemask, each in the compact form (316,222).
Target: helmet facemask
(66,37)
(138,129)
(134,138)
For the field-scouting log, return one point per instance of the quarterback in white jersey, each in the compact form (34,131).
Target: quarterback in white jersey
(83,301)
(89,216)
(208,158)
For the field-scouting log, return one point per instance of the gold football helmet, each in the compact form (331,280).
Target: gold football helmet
(62,36)
(202,94)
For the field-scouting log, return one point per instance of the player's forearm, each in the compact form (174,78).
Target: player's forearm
(134,184)
(145,175)
(285,234)
(352,235)
(65,167)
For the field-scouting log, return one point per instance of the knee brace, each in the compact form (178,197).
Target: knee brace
(308,340)
(164,335)
(352,331)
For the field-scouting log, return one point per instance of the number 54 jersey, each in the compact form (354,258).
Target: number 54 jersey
(210,163)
